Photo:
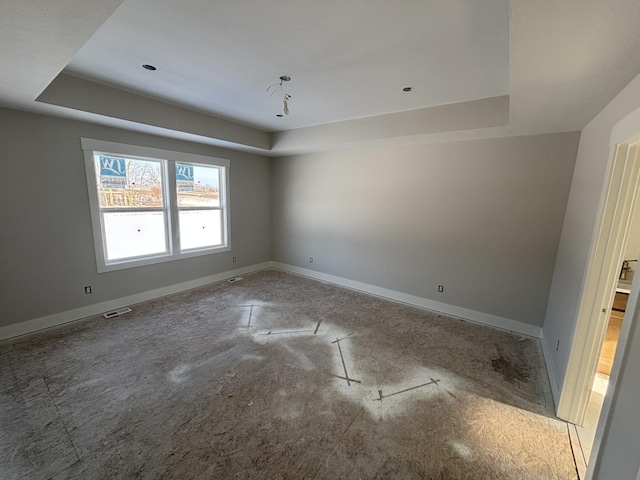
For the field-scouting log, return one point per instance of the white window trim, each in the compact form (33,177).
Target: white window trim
(91,146)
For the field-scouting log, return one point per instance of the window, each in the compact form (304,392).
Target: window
(150,205)
(198,193)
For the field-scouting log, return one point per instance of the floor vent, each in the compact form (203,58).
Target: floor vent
(115,313)
(235,279)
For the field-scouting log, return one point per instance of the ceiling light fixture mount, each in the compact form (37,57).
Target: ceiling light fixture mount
(407,89)
(151,68)
(273,88)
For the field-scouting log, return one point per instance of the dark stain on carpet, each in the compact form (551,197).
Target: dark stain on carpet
(509,370)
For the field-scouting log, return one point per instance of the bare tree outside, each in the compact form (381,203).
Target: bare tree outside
(143,186)
(204,190)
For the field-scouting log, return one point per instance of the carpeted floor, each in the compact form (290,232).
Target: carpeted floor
(278,377)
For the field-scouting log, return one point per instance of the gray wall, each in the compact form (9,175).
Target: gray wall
(45,239)
(619,454)
(482,218)
(579,225)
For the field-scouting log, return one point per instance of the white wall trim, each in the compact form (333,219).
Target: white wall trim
(466,314)
(551,368)
(41,323)
(626,130)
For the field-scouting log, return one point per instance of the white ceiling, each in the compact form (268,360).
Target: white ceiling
(39,38)
(347,59)
(557,62)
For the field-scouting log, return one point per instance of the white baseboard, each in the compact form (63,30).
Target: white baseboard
(472,315)
(30,326)
(551,369)
(36,324)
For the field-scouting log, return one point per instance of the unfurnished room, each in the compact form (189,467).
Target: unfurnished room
(302,239)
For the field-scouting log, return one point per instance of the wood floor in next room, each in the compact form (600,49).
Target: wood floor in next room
(278,377)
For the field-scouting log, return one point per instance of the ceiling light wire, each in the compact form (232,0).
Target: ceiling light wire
(273,88)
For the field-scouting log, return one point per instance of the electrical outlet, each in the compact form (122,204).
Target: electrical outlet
(440,288)
(310,259)
(87,289)
(235,259)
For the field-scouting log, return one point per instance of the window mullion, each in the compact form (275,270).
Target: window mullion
(172,203)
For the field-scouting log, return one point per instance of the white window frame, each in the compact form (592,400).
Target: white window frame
(220,208)
(172,230)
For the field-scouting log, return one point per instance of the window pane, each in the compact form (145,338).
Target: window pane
(200,228)
(197,185)
(133,234)
(125,182)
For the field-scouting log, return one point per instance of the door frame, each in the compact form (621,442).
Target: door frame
(617,206)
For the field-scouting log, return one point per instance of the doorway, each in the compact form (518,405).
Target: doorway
(612,334)
(617,211)
(585,433)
